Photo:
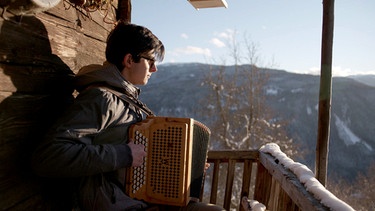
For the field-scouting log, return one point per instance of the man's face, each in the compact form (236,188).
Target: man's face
(139,73)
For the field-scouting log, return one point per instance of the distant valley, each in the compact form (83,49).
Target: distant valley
(175,90)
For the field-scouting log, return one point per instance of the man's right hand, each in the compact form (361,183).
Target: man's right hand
(138,153)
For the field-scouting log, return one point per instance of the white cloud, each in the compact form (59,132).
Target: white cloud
(227,34)
(310,71)
(184,36)
(218,43)
(337,71)
(189,50)
(313,71)
(370,72)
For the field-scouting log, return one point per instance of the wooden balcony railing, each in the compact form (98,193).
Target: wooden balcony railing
(247,158)
(259,176)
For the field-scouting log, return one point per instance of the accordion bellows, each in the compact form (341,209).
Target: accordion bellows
(174,166)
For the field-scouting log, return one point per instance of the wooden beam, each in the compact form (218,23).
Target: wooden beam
(124,11)
(322,146)
(225,155)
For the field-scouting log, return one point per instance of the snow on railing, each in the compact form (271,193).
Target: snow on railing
(307,177)
(252,205)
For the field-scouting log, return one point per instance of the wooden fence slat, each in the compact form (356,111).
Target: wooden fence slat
(246,179)
(262,185)
(215,182)
(229,184)
(274,196)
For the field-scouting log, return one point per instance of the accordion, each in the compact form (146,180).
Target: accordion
(173,169)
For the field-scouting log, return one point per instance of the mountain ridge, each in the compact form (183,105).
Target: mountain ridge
(176,90)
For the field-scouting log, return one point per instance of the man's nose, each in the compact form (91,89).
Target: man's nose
(153,68)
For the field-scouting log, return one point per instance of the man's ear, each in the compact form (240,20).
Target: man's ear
(128,60)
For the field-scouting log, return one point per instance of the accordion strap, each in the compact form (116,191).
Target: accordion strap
(129,99)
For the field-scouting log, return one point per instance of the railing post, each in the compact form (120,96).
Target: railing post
(322,144)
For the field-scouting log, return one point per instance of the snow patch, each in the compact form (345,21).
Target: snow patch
(347,135)
(306,177)
(308,110)
(298,90)
(252,205)
(368,146)
(271,91)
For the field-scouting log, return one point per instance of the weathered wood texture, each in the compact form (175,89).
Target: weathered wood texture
(124,11)
(279,189)
(38,58)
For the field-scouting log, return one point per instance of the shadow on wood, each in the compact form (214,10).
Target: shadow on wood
(36,86)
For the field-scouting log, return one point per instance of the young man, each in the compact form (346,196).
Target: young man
(90,142)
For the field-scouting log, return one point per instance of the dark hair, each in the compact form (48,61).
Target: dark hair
(130,38)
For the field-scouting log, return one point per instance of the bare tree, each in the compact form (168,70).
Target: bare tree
(237,112)
(359,193)
(240,118)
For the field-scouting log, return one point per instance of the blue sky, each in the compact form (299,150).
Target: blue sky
(287,34)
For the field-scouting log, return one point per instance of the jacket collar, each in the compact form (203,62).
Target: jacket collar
(106,74)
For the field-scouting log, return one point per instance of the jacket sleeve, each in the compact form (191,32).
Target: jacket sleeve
(74,147)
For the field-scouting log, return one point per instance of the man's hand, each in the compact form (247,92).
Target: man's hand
(207,165)
(138,153)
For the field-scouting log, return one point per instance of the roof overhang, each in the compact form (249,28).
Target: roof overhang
(200,4)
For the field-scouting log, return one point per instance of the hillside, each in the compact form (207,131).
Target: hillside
(366,79)
(175,90)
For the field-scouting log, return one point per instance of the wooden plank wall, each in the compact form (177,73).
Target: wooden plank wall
(39,56)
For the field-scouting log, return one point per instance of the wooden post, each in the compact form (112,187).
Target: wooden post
(124,10)
(322,146)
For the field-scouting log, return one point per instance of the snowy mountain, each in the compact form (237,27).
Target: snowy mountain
(175,90)
(352,129)
(366,79)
